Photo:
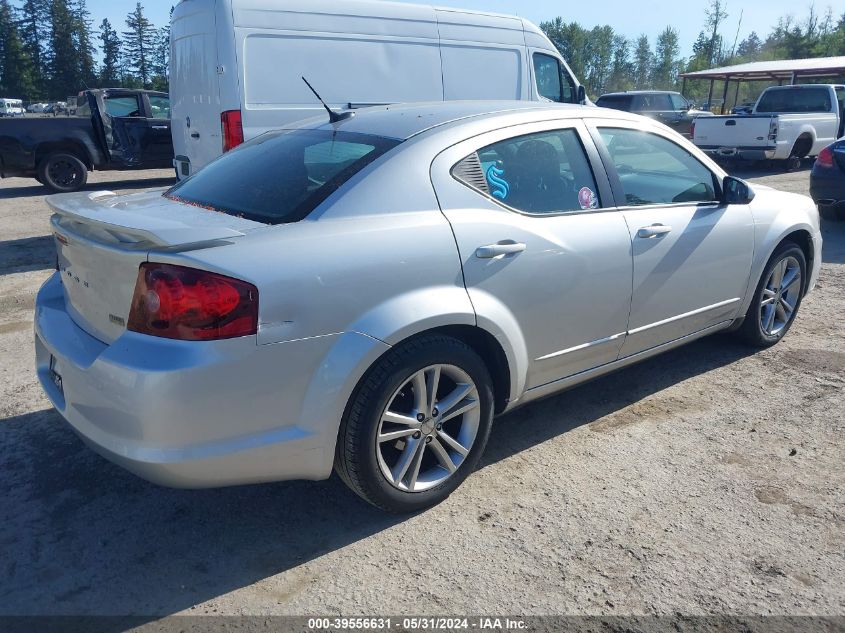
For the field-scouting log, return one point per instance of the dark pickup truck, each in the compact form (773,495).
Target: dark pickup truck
(113,129)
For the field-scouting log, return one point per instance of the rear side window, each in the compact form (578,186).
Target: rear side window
(655,170)
(280,176)
(545,172)
(795,100)
(617,102)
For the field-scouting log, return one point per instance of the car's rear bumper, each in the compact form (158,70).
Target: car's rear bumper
(827,186)
(745,153)
(185,414)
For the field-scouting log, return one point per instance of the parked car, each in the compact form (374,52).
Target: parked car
(367,293)
(112,129)
(11,108)
(358,55)
(670,108)
(827,181)
(743,108)
(36,108)
(787,123)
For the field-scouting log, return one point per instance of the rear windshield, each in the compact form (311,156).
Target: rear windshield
(795,100)
(620,102)
(280,176)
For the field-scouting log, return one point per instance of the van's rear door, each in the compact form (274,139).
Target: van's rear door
(194,85)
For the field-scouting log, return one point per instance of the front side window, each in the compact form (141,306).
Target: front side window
(280,176)
(795,100)
(546,172)
(655,170)
(679,103)
(122,106)
(159,107)
(553,82)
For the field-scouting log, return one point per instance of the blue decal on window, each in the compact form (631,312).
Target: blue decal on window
(498,185)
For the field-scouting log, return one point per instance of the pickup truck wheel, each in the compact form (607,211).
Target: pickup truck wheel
(62,172)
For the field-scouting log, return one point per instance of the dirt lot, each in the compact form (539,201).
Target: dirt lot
(708,480)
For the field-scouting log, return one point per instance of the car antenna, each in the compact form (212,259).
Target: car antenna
(334,117)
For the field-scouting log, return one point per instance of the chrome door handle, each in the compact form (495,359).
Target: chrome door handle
(160,127)
(654,230)
(505,247)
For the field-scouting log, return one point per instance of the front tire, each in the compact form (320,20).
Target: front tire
(777,297)
(62,172)
(417,424)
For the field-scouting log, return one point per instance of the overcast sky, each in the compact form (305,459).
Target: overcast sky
(629,17)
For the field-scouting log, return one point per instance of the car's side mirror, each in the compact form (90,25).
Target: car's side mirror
(736,191)
(582,94)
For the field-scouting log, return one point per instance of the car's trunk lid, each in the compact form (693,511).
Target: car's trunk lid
(102,238)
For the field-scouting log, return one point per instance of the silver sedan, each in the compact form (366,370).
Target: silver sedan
(365,295)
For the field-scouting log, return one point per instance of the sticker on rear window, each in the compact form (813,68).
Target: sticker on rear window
(587,198)
(499,187)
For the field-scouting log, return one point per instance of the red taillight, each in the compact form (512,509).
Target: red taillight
(233,129)
(191,305)
(825,158)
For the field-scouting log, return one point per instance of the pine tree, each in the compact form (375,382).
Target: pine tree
(85,47)
(110,47)
(15,65)
(642,63)
(666,63)
(63,61)
(139,43)
(34,30)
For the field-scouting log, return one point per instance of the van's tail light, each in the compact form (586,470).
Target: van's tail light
(191,305)
(233,129)
(825,158)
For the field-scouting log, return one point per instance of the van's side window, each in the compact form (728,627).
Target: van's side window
(553,82)
(546,172)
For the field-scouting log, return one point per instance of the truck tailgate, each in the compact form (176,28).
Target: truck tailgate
(734,131)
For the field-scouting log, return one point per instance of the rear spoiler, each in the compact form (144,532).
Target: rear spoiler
(145,220)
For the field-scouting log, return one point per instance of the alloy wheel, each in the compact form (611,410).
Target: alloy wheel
(780,296)
(428,428)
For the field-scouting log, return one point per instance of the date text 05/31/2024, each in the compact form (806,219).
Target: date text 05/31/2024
(481,623)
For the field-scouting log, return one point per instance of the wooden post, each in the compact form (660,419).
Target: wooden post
(710,97)
(736,94)
(725,94)
(684,86)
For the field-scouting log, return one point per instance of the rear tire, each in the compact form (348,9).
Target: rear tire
(769,316)
(438,451)
(62,172)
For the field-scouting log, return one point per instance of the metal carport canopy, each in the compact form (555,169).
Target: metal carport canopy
(777,69)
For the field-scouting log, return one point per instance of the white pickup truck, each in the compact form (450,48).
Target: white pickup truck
(786,123)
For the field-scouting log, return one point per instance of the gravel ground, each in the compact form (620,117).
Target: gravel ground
(709,480)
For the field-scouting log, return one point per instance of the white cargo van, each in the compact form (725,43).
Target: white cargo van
(236,65)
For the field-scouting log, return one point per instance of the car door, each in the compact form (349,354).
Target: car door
(692,253)
(683,118)
(541,253)
(158,143)
(125,127)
